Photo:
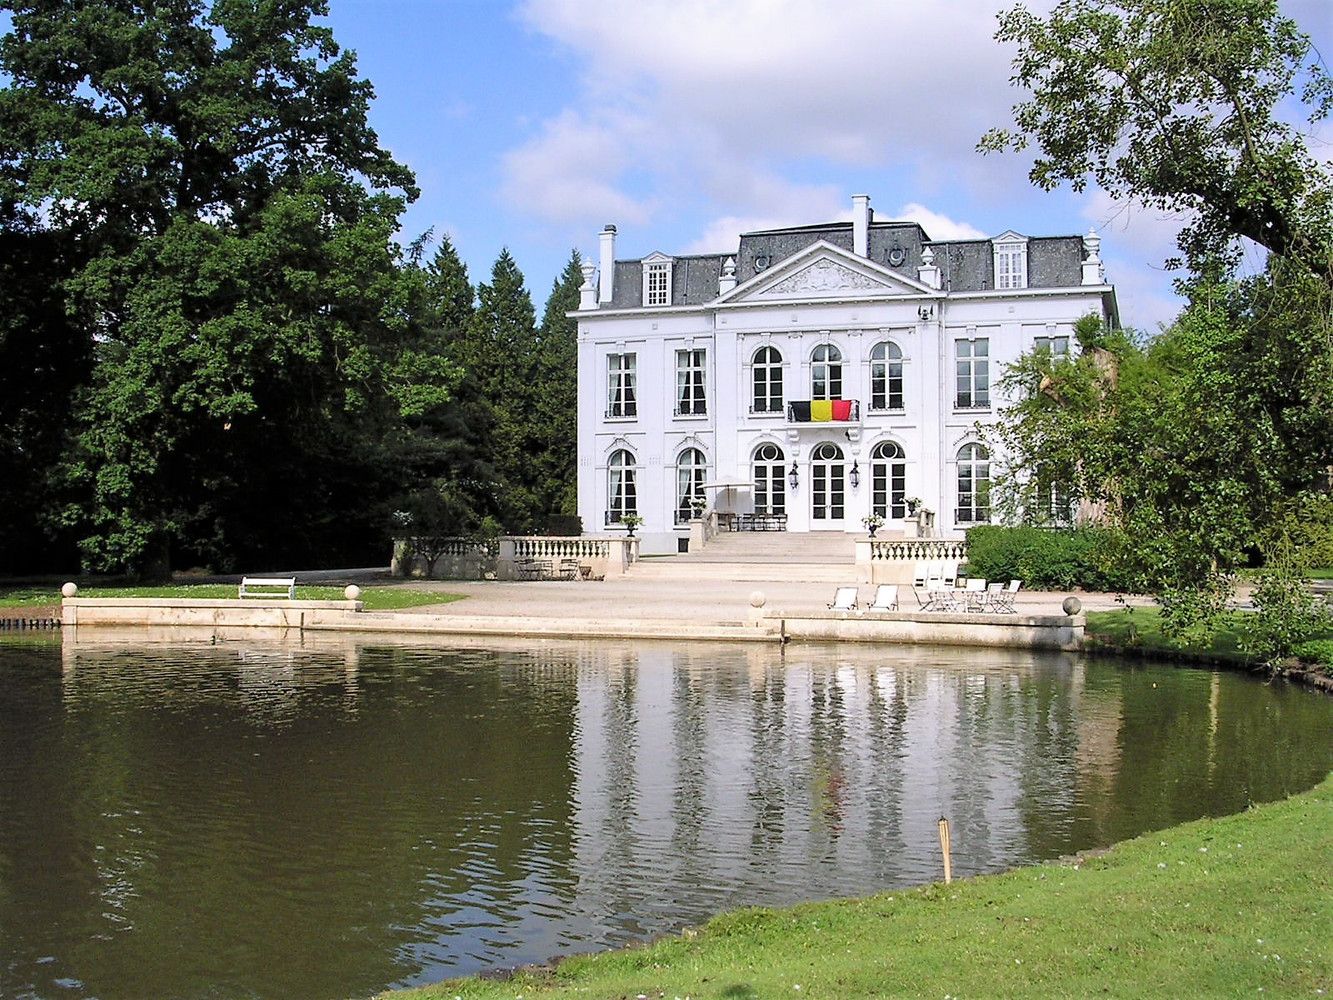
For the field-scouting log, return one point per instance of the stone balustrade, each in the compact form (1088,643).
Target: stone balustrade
(893,560)
(598,557)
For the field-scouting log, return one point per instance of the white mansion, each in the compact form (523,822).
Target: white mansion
(816,375)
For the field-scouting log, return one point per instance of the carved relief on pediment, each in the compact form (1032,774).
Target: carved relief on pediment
(823,277)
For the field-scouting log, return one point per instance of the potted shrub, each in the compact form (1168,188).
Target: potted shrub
(873,523)
(631,521)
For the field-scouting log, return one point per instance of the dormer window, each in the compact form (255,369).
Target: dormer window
(1011,260)
(657,280)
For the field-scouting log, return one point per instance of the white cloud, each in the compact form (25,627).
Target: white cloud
(568,173)
(703,96)
(937,226)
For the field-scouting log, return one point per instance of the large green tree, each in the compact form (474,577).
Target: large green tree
(44,358)
(1196,106)
(252,333)
(1216,437)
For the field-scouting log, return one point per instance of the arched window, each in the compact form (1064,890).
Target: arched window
(622,496)
(767,381)
(827,483)
(826,373)
(888,481)
(973,484)
(770,482)
(886,376)
(691,470)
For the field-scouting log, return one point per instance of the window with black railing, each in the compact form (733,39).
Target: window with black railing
(691,388)
(622,491)
(972,374)
(973,485)
(621,398)
(886,377)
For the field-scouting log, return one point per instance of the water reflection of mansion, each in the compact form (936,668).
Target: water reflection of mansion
(820,372)
(745,777)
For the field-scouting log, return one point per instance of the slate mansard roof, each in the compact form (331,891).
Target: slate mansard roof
(965,265)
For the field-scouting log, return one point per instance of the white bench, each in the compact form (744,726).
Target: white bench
(268,586)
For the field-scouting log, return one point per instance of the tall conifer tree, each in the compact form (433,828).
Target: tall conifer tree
(501,357)
(556,412)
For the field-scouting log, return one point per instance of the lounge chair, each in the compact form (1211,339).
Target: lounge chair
(886,598)
(844,599)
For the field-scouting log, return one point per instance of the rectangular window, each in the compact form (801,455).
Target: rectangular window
(690,387)
(657,285)
(621,400)
(972,366)
(1056,347)
(888,486)
(1011,266)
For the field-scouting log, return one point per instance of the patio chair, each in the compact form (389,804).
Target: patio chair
(974,596)
(569,569)
(886,598)
(1003,600)
(939,597)
(949,573)
(844,599)
(919,576)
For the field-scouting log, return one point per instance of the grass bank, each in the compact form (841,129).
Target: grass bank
(1139,631)
(1219,907)
(374,598)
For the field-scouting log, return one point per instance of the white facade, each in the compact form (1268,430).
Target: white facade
(902,338)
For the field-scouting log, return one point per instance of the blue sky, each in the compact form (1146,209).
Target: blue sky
(531,124)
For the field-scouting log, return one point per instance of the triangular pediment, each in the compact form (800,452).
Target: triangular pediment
(824,271)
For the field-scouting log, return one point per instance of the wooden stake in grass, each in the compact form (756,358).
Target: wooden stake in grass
(945,849)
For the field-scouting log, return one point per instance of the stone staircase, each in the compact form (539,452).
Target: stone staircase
(814,557)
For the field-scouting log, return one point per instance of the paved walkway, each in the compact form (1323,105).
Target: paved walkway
(693,601)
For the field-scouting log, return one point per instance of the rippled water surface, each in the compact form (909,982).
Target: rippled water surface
(249,820)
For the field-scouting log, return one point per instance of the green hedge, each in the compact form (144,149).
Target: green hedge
(1044,558)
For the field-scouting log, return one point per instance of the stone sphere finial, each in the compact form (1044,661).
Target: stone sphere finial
(757,599)
(352,592)
(1072,605)
(70,590)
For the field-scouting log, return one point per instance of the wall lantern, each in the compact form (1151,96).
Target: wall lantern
(792,478)
(856,474)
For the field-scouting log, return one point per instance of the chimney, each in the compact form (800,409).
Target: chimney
(861,225)
(607,284)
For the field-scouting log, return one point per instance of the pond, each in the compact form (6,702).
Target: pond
(267,820)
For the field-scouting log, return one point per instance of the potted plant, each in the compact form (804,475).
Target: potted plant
(631,521)
(913,505)
(873,523)
(697,505)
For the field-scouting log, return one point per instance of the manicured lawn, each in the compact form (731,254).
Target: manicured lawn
(374,598)
(1135,629)
(1237,906)
(1141,628)
(1322,573)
